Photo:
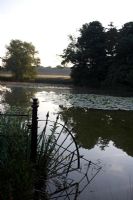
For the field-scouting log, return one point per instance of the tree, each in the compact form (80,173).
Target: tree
(111,43)
(111,40)
(87,54)
(101,56)
(59,66)
(112,36)
(123,72)
(21,60)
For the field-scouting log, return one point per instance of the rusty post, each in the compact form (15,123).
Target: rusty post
(34,128)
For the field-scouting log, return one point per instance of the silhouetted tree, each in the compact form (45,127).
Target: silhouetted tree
(21,60)
(122,69)
(87,54)
(111,42)
(112,35)
(100,56)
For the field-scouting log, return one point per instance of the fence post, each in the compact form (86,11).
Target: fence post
(34,128)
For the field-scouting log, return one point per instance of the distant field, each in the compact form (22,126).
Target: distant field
(53,76)
(40,75)
(41,78)
(5,75)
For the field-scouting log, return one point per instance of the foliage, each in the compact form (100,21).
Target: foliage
(101,56)
(59,66)
(16,178)
(111,40)
(21,60)
(87,53)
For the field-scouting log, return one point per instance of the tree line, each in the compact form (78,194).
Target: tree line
(101,56)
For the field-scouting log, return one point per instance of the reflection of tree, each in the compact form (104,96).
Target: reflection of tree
(19,97)
(93,127)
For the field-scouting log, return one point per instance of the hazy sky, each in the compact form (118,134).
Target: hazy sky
(47,23)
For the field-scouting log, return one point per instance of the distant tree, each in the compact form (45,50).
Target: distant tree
(87,54)
(21,60)
(59,66)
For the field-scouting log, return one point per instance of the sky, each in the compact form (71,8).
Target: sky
(47,23)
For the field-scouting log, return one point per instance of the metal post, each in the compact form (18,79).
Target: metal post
(34,127)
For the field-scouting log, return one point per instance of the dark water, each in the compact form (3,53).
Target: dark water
(102,125)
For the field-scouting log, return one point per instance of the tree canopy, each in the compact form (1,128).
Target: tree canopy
(21,59)
(101,56)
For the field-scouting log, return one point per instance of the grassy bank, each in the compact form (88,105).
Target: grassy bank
(41,78)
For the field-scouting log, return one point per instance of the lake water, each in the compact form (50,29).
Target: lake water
(102,126)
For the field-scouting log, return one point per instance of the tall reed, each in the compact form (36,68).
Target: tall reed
(16,174)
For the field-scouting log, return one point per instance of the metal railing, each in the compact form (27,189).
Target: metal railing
(63,158)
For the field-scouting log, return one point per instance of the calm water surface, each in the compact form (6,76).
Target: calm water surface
(102,125)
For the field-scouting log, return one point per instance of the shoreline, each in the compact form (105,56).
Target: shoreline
(120,92)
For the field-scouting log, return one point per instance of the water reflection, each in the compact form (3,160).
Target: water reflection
(98,127)
(67,174)
(103,134)
(19,96)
